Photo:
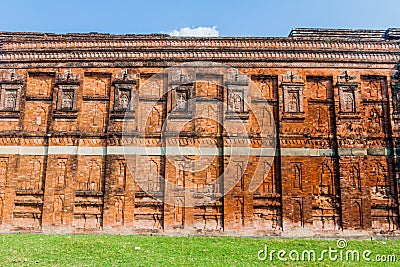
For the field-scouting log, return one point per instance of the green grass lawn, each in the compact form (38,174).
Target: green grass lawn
(111,250)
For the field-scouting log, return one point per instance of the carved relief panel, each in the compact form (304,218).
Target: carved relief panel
(66,100)
(236,94)
(325,204)
(349,128)
(297,212)
(180,174)
(297,175)
(10,94)
(96,85)
(148,211)
(380,187)
(67,86)
(348,103)
(236,100)
(348,99)
(181,103)
(239,170)
(267,118)
(206,182)
(374,122)
(123,98)
(238,211)
(121,173)
(319,119)
(179,212)
(319,88)
(153,176)
(356,211)
(39,84)
(268,86)
(373,87)
(33,179)
(3,171)
(182,92)
(293,100)
(269,179)
(181,98)
(355,176)
(119,206)
(209,86)
(326,180)
(93,116)
(35,175)
(151,87)
(93,176)
(10,97)
(61,173)
(153,122)
(211,187)
(293,87)
(396,98)
(37,120)
(90,178)
(58,209)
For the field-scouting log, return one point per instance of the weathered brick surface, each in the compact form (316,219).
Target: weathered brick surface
(335,109)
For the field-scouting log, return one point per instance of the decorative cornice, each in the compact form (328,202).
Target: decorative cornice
(169,63)
(10,77)
(173,42)
(202,55)
(304,45)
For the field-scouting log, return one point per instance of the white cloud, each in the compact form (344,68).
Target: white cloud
(196,32)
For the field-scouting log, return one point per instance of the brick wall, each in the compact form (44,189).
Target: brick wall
(334,172)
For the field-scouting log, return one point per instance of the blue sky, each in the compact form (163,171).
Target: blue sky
(231,18)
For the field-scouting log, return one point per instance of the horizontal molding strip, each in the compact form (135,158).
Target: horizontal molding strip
(237,43)
(168,63)
(202,55)
(204,151)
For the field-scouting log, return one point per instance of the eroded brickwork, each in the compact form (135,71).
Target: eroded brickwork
(334,103)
